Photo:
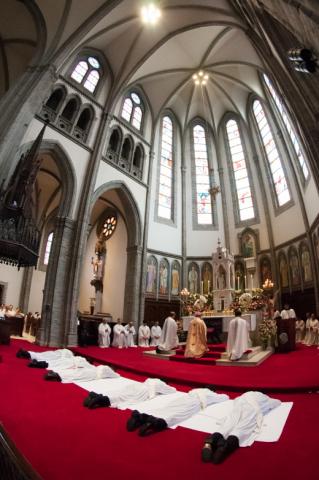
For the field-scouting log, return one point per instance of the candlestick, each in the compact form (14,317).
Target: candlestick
(252,281)
(208,286)
(201,287)
(245,282)
(237,282)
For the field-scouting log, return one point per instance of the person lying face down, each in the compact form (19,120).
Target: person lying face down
(46,356)
(129,394)
(240,428)
(81,374)
(61,363)
(178,410)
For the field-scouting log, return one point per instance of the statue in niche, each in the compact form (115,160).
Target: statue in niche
(98,263)
(248,246)
(221,279)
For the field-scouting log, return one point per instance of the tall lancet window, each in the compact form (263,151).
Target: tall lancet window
(132,110)
(87,73)
(48,249)
(290,128)
(203,200)
(243,190)
(273,157)
(165,194)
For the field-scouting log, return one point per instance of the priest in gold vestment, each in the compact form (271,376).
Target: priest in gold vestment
(196,344)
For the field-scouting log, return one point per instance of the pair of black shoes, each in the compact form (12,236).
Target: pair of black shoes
(38,364)
(216,449)
(96,400)
(23,354)
(52,376)
(147,424)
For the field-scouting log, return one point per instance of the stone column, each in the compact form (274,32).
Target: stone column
(25,289)
(55,290)
(132,285)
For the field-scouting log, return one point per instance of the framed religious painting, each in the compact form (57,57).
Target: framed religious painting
(163,277)
(248,243)
(175,278)
(239,275)
(265,269)
(151,275)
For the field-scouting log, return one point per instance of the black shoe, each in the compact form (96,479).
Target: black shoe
(153,425)
(224,451)
(88,399)
(136,420)
(52,376)
(23,354)
(36,364)
(211,444)
(99,401)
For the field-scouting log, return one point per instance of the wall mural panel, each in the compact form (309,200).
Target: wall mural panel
(193,277)
(163,276)
(207,277)
(151,275)
(283,270)
(265,269)
(305,263)
(294,267)
(239,276)
(175,278)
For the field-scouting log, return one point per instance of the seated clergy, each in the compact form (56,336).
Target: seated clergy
(240,428)
(144,334)
(86,374)
(104,334)
(129,394)
(130,333)
(156,332)
(118,335)
(196,343)
(238,340)
(176,411)
(169,338)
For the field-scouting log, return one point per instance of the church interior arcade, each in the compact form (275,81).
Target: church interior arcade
(148,163)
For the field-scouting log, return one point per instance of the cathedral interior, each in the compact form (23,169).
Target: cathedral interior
(138,139)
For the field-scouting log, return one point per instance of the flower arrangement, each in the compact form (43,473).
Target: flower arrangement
(245,301)
(267,331)
(195,302)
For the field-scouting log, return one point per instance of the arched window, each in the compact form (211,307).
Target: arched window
(290,128)
(55,99)
(87,73)
(165,194)
(243,190)
(273,157)
(48,249)
(138,157)
(132,110)
(70,109)
(84,119)
(115,140)
(203,200)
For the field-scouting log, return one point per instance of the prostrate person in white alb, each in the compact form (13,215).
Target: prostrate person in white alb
(238,340)
(144,334)
(46,356)
(240,427)
(104,334)
(129,394)
(130,333)
(169,339)
(176,411)
(62,363)
(118,335)
(86,374)
(156,333)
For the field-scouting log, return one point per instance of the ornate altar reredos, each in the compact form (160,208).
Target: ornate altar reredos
(223,278)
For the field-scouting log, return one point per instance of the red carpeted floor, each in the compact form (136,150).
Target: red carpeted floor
(294,371)
(65,441)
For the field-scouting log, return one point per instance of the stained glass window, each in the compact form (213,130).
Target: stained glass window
(109,226)
(290,128)
(87,73)
(277,172)
(48,249)
(243,190)
(203,200)
(166,170)
(132,111)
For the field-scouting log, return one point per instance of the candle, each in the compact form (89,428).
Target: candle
(201,287)
(252,281)
(237,282)
(208,286)
(245,282)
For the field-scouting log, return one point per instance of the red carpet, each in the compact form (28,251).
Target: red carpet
(297,371)
(65,441)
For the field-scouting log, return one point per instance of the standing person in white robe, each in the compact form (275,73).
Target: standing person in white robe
(129,335)
(156,333)
(104,334)
(144,334)
(287,312)
(87,374)
(300,330)
(129,394)
(238,340)
(118,335)
(240,428)
(169,339)
(46,356)
(312,338)
(307,334)
(176,411)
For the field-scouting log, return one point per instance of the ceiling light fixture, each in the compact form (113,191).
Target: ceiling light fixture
(150,14)
(200,78)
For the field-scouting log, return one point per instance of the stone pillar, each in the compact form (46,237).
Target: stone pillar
(55,290)
(18,108)
(25,289)
(132,285)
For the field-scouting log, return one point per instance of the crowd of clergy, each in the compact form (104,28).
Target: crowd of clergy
(31,322)
(124,336)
